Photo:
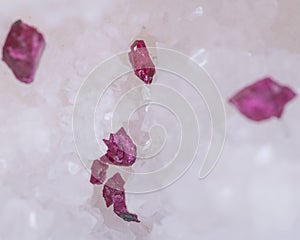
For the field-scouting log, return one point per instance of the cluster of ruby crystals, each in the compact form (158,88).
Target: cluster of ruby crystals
(121,149)
(141,61)
(121,152)
(263,99)
(22,51)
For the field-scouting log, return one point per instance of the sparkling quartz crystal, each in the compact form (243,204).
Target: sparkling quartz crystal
(98,172)
(114,194)
(263,99)
(121,149)
(141,61)
(22,50)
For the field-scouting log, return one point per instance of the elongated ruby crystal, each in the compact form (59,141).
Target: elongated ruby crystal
(22,51)
(114,194)
(263,99)
(141,61)
(121,149)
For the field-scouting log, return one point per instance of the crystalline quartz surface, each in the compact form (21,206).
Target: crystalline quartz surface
(251,194)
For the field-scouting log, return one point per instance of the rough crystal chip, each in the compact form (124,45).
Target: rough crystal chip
(121,149)
(22,51)
(263,99)
(114,194)
(141,61)
(98,172)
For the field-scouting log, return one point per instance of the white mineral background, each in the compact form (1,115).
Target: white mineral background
(253,193)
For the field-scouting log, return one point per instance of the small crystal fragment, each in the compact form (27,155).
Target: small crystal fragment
(22,51)
(263,99)
(114,194)
(113,188)
(141,61)
(98,172)
(121,149)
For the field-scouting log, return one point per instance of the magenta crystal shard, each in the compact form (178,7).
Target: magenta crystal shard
(263,99)
(98,172)
(121,149)
(113,188)
(141,61)
(114,194)
(22,51)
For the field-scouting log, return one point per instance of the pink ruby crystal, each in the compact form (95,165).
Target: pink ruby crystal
(141,61)
(98,172)
(263,99)
(114,194)
(22,51)
(121,149)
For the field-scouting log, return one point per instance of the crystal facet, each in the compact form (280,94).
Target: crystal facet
(114,194)
(22,51)
(98,172)
(141,61)
(121,149)
(263,99)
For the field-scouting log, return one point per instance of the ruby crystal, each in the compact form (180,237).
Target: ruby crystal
(121,149)
(114,194)
(141,61)
(263,99)
(22,51)
(98,172)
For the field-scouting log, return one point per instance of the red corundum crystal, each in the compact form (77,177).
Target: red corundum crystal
(263,99)
(114,194)
(121,149)
(22,50)
(141,61)
(98,171)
